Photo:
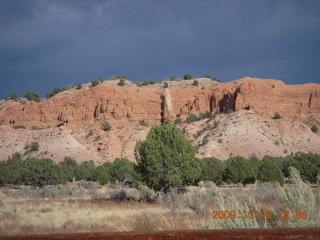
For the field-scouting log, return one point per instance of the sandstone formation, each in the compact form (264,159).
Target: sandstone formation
(76,112)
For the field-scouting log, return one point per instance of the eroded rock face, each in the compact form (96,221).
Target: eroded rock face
(131,104)
(78,112)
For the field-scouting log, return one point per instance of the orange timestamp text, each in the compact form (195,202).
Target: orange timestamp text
(263,214)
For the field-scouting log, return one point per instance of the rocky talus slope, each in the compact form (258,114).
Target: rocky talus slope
(249,130)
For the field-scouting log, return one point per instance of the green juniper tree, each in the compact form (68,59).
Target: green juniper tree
(166,159)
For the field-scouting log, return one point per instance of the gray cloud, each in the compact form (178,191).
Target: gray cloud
(44,44)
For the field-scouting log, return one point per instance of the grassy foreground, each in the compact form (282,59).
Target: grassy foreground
(89,207)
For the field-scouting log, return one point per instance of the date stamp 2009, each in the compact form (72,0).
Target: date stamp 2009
(264,214)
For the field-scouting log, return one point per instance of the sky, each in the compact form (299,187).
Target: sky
(46,44)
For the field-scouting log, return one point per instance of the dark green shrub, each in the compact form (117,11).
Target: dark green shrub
(173,79)
(314,129)
(147,82)
(204,141)
(307,164)
(192,118)
(207,114)
(121,82)
(19,126)
(238,169)
(34,146)
(31,96)
(114,77)
(229,111)
(101,80)
(165,85)
(177,121)
(187,76)
(85,171)
(211,169)
(143,123)
(268,171)
(166,159)
(42,172)
(79,86)
(13,96)
(102,174)
(54,91)
(90,133)
(95,83)
(105,126)
(195,83)
(207,76)
(277,115)
(121,170)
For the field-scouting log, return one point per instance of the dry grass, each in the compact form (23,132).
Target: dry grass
(25,211)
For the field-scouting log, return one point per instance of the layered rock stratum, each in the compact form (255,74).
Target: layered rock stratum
(249,130)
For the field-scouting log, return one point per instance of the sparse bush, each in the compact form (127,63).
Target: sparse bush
(90,133)
(192,118)
(97,138)
(299,196)
(147,194)
(201,131)
(95,83)
(195,83)
(31,96)
(119,196)
(207,76)
(143,123)
(147,82)
(54,91)
(13,96)
(79,86)
(194,200)
(36,128)
(187,76)
(34,146)
(165,85)
(230,203)
(171,79)
(114,77)
(204,141)
(105,126)
(19,127)
(220,140)
(277,115)
(216,124)
(207,114)
(314,129)
(230,110)
(178,121)
(121,82)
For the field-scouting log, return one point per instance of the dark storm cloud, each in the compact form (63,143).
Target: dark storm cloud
(44,44)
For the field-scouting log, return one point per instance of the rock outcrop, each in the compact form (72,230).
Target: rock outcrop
(155,104)
(250,130)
